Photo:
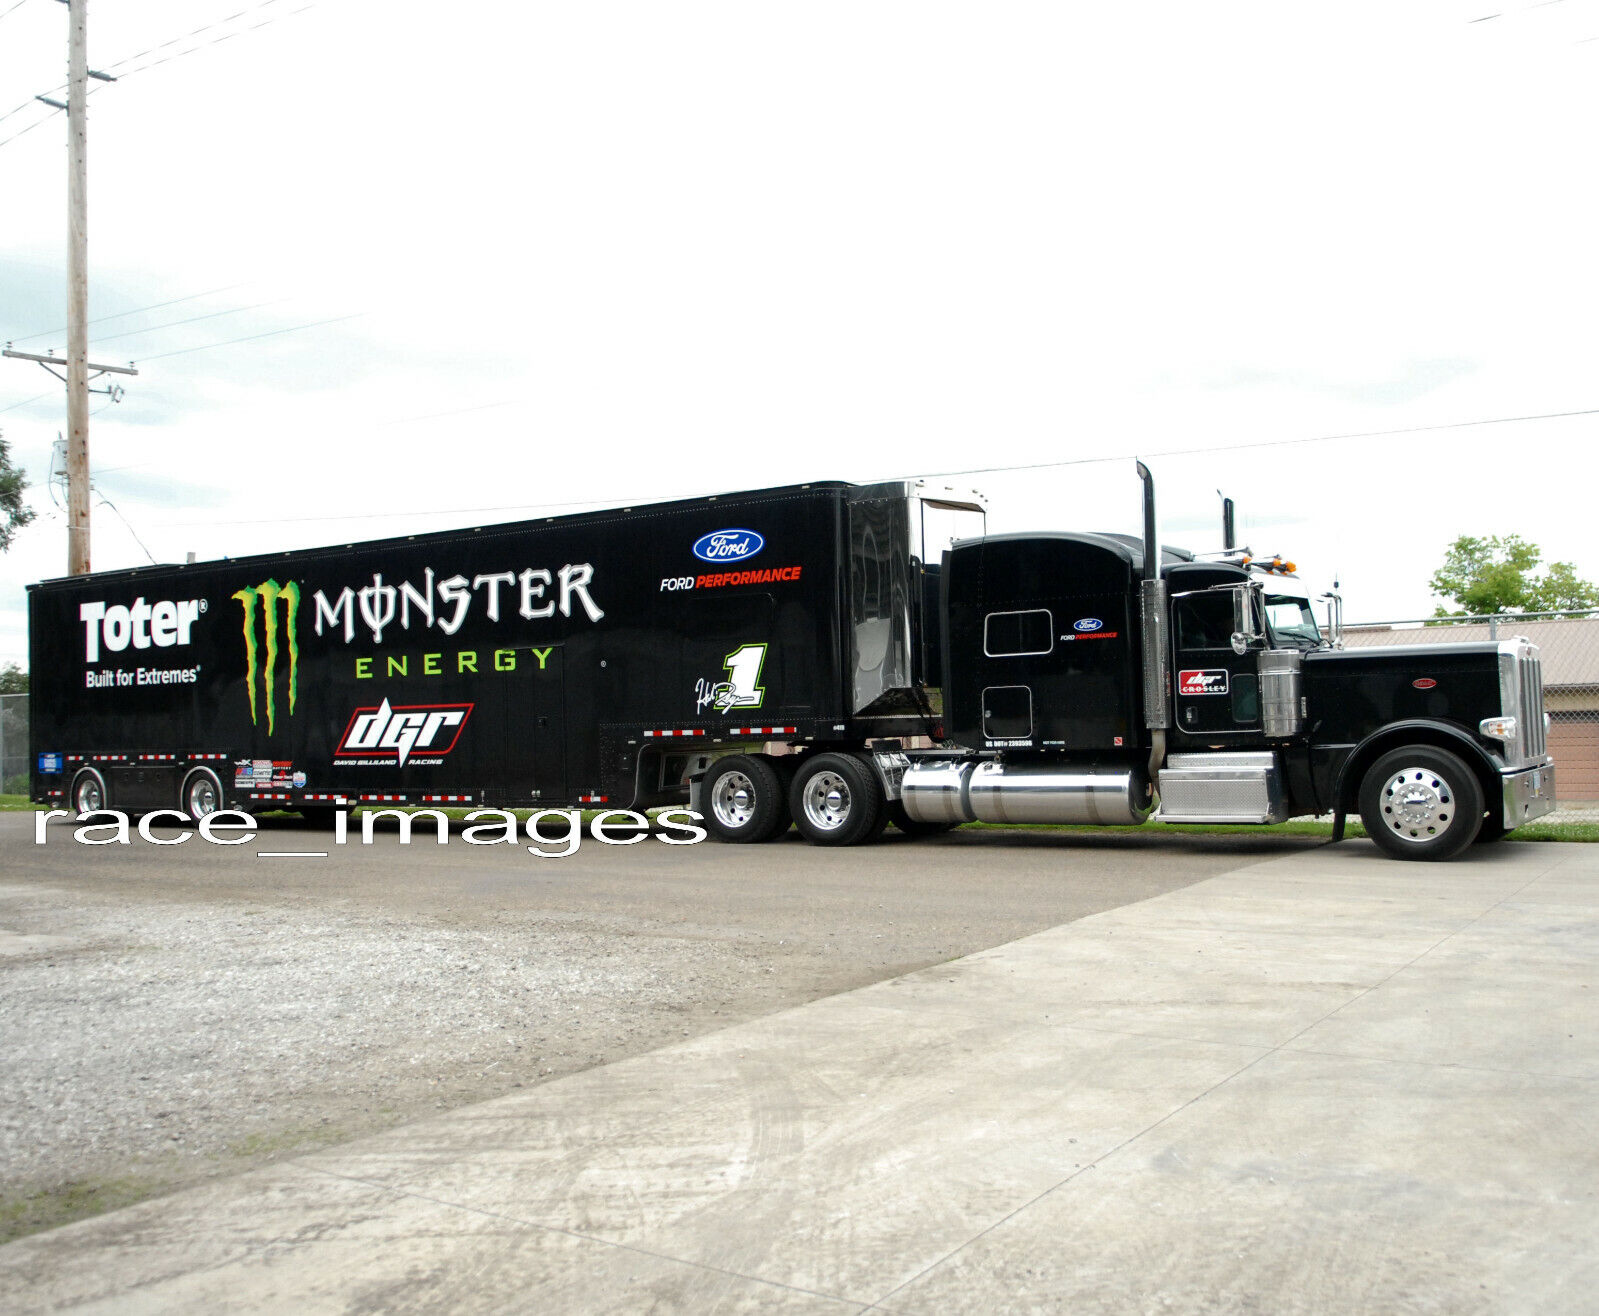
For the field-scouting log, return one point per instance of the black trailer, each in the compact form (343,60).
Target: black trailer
(829,654)
(602,658)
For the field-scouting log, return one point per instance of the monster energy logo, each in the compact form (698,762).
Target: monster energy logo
(264,598)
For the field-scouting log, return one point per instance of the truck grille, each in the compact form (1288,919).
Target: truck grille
(1521,690)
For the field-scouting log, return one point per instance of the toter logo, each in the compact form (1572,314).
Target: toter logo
(397,732)
(263,599)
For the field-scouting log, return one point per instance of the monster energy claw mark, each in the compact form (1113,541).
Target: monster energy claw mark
(267,594)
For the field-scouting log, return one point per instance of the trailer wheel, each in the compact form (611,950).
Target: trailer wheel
(1419,802)
(88,791)
(201,794)
(915,826)
(837,800)
(744,801)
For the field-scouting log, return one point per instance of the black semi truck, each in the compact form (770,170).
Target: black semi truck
(832,655)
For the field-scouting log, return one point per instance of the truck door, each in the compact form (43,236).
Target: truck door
(1217,692)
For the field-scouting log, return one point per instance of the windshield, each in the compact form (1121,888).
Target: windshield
(1291,622)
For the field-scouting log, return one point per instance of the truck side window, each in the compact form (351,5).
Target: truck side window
(1015,634)
(1205,621)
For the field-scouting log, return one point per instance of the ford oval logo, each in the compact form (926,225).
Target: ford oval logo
(1087,624)
(728,546)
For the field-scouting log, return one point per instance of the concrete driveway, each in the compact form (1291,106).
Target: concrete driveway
(1325,1082)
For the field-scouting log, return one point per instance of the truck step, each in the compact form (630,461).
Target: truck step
(1227,786)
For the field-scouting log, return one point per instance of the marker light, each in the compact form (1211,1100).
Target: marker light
(1498,728)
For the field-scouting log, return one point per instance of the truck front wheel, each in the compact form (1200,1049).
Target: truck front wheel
(743,796)
(836,800)
(1419,802)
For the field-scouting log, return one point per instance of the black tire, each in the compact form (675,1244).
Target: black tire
(200,795)
(744,800)
(915,826)
(1423,803)
(837,800)
(89,793)
(1493,829)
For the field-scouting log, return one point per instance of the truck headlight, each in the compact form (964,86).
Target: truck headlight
(1498,728)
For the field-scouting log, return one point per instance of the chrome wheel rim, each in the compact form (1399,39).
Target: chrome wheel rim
(827,801)
(88,796)
(202,797)
(733,800)
(1418,804)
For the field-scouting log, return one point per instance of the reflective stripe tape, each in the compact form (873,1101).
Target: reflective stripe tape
(761,731)
(674,733)
(387,799)
(592,799)
(447,799)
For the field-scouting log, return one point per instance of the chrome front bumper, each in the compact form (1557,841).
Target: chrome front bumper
(1529,793)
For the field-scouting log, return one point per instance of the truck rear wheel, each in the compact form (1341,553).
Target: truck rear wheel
(744,800)
(836,800)
(1419,802)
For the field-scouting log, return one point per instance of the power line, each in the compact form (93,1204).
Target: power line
(193,319)
(25,402)
(250,338)
(4,14)
(193,296)
(931,475)
(1267,443)
(165,59)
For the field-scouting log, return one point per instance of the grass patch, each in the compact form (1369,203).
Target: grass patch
(78,1199)
(16,803)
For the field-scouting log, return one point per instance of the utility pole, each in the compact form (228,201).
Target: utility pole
(77,289)
(77,361)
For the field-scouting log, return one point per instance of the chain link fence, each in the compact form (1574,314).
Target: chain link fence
(13,744)
(1568,643)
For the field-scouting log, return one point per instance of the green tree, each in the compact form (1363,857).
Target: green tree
(1500,574)
(14,513)
(13,680)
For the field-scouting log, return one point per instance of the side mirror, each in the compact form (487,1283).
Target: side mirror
(1335,618)
(1249,629)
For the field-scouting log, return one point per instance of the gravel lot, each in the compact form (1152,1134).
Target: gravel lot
(173,1013)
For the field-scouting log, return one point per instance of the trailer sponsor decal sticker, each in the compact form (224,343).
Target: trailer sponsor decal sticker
(722,579)
(446,604)
(401,734)
(1212,681)
(1088,624)
(728,545)
(741,689)
(263,599)
(163,625)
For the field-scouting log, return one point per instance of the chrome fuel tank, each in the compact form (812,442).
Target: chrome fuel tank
(967,791)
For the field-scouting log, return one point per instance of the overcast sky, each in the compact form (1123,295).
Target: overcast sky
(614,252)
